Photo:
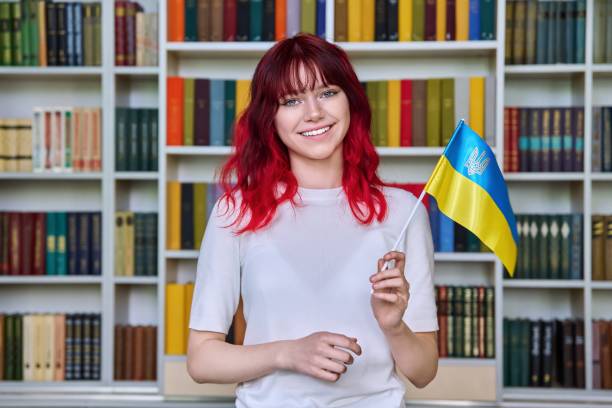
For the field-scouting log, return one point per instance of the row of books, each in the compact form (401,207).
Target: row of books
(50,347)
(424,20)
(15,145)
(136,35)
(449,236)
(543,139)
(135,244)
(602,138)
(602,354)
(425,112)
(545,32)
(601,247)
(466,318)
(550,246)
(602,32)
(67,139)
(52,243)
(47,33)
(136,139)
(189,206)
(244,20)
(177,311)
(544,353)
(135,356)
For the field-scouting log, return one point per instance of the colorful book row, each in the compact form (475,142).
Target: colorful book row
(544,353)
(136,35)
(50,347)
(136,139)
(466,319)
(47,33)
(550,246)
(601,247)
(135,353)
(545,32)
(418,20)
(135,244)
(52,243)
(544,139)
(244,20)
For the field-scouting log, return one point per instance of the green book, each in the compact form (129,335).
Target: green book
(145,139)
(450,330)
(16,33)
(51,243)
(542,244)
(88,35)
(487,19)
(448,109)
(566,245)
(154,128)
(514,355)
(5,34)
(308,14)
(25,33)
(133,163)
(255,20)
(97,33)
(18,347)
(526,247)
(381,96)
(433,112)
(33,26)
(230,110)
(418,20)
(61,226)
(121,146)
(507,354)
(188,107)
(533,247)
(467,322)
(459,352)
(371,93)
(9,356)
(199,213)
(475,346)
(191,20)
(524,338)
(555,247)
(490,323)
(139,244)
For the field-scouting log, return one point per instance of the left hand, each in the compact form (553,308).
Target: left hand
(391,292)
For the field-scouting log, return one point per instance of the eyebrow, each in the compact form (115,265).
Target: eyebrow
(318,89)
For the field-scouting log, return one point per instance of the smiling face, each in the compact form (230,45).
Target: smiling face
(313,124)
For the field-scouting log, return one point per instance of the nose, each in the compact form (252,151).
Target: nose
(313,109)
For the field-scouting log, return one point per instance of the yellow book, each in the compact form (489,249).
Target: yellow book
(175,319)
(188,299)
(394,102)
(476,121)
(119,243)
(28,348)
(39,347)
(242,95)
(368,23)
(48,323)
(462,19)
(440,20)
(405,20)
(128,233)
(355,20)
(173,215)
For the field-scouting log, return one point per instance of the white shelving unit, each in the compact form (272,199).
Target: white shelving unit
(142,298)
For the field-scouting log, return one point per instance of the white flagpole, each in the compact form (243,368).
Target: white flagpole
(386,265)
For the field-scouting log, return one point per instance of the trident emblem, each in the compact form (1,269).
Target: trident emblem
(475,164)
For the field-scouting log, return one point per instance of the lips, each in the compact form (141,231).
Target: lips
(319,135)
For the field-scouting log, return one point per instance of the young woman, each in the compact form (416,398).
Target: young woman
(301,237)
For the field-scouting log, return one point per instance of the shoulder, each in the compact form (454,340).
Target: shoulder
(400,200)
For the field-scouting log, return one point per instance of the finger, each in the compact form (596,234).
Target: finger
(330,365)
(340,340)
(388,297)
(325,375)
(398,283)
(398,256)
(340,355)
(390,273)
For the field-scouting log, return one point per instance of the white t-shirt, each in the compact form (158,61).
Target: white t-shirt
(308,271)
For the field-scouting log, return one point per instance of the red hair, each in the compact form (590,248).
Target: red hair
(261,159)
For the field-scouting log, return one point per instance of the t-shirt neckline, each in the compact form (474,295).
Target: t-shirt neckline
(320,194)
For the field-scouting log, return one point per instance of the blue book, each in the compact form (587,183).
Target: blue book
(474,22)
(217,112)
(70,34)
(255,20)
(84,223)
(580,27)
(72,238)
(541,33)
(320,18)
(78,33)
(551,18)
(230,110)
(61,226)
(51,244)
(447,233)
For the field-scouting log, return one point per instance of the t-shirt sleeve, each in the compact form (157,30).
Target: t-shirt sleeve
(421,313)
(217,285)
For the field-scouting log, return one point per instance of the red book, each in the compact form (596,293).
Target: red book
(176,20)
(450,20)
(514,140)
(406,113)
(174,111)
(14,247)
(443,322)
(430,20)
(229,20)
(27,243)
(507,130)
(40,250)
(120,40)
(4,244)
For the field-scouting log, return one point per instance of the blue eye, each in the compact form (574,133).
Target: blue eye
(330,91)
(288,102)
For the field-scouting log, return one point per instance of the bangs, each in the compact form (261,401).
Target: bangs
(290,82)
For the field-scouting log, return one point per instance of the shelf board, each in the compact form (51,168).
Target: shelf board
(464,257)
(51,176)
(136,175)
(541,394)
(602,69)
(375,49)
(135,280)
(226,150)
(182,254)
(51,71)
(552,176)
(41,279)
(61,387)
(136,71)
(601,176)
(544,283)
(545,69)
(601,285)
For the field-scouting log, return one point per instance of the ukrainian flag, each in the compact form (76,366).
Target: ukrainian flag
(470,189)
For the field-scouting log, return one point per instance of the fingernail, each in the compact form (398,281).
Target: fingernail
(371,291)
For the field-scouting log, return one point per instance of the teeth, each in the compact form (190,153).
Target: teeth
(316,132)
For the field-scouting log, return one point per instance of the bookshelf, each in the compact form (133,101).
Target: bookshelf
(140,300)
